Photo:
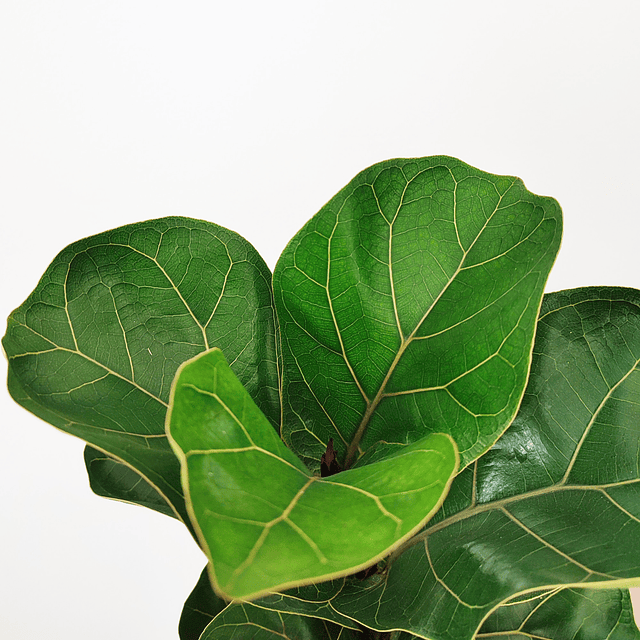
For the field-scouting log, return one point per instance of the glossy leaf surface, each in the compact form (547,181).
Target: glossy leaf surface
(408,305)
(564,614)
(263,520)
(243,620)
(94,348)
(309,601)
(111,479)
(556,502)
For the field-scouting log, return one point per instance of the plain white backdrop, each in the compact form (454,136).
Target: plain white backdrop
(252,115)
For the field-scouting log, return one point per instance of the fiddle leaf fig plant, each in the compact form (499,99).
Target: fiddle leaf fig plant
(254,503)
(394,436)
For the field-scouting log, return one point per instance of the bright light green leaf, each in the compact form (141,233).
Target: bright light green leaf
(408,305)
(243,620)
(564,614)
(263,520)
(95,347)
(556,502)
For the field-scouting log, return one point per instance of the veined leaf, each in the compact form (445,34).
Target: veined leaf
(408,305)
(564,614)
(243,620)
(94,348)
(201,607)
(112,479)
(555,503)
(263,520)
(310,600)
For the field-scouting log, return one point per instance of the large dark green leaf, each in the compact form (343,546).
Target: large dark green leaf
(555,614)
(263,520)
(564,614)
(112,479)
(94,348)
(201,607)
(243,621)
(556,502)
(408,305)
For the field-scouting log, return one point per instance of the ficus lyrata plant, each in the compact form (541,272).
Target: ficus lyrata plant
(396,435)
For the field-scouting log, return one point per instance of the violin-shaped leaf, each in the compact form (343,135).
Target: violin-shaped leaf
(264,521)
(408,306)
(112,479)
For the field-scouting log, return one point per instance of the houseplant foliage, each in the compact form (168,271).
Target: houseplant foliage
(394,436)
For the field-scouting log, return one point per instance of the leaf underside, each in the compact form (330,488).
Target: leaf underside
(264,521)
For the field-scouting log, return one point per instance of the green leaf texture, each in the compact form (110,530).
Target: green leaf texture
(243,621)
(201,607)
(264,522)
(309,600)
(111,479)
(564,614)
(408,305)
(555,503)
(95,347)
(556,614)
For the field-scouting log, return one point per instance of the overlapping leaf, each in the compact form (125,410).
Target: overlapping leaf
(556,502)
(263,520)
(243,620)
(555,614)
(408,304)
(201,607)
(94,348)
(564,614)
(112,479)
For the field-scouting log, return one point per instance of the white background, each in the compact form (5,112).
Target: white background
(252,115)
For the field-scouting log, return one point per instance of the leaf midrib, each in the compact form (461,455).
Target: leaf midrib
(372,405)
(57,347)
(119,459)
(474,509)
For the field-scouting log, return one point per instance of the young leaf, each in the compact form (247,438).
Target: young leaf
(94,348)
(564,614)
(263,520)
(556,502)
(408,305)
(243,620)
